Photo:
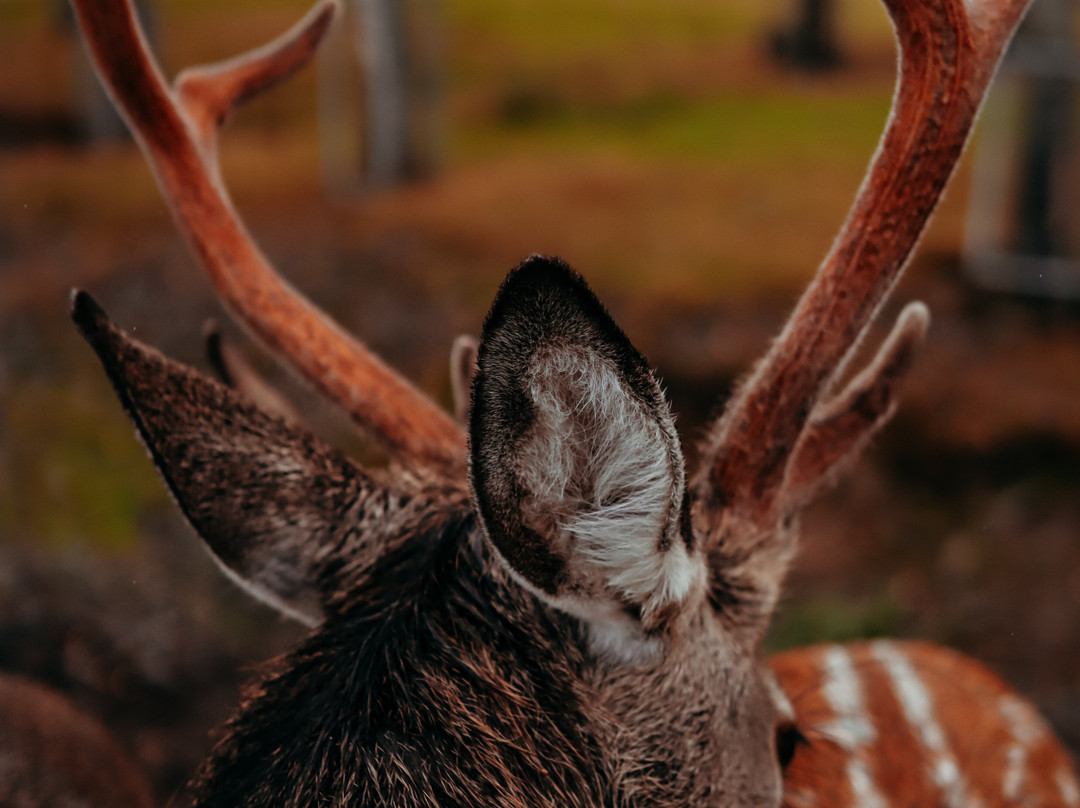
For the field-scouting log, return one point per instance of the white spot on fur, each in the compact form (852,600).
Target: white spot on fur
(863,789)
(1025,730)
(918,708)
(784,709)
(619,638)
(800,798)
(1070,791)
(850,727)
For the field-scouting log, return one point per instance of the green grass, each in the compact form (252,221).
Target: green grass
(22,13)
(741,127)
(833,620)
(81,475)
(545,30)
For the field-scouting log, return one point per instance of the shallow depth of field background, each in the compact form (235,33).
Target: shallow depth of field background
(655,147)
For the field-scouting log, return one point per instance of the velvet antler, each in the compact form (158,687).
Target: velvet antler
(781,432)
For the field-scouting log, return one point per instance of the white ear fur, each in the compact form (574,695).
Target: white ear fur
(603,482)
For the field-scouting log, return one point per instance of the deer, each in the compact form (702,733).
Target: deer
(52,753)
(541,606)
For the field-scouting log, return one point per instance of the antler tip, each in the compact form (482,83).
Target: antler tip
(332,7)
(321,18)
(914,319)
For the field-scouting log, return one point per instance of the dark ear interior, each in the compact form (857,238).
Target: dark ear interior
(267,497)
(576,467)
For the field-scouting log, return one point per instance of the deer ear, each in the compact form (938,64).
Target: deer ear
(266,497)
(576,467)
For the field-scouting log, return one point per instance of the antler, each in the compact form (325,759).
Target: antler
(234,371)
(777,433)
(176,129)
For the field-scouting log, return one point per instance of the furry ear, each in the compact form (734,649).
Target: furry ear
(273,505)
(576,467)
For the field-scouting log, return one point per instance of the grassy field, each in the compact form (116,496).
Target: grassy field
(670,105)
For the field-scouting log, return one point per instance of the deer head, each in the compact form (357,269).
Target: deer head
(547,611)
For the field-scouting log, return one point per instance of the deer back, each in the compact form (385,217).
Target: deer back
(908,723)
(53,754)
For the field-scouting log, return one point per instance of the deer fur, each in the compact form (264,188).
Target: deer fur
(55,755)
(888,723)
(406,584)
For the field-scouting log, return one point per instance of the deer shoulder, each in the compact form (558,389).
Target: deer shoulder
(55,755)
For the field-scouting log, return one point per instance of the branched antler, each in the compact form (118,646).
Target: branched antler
(778,435)
(176,129)
(209,93)
(843,423)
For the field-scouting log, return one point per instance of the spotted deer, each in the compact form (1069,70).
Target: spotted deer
(542,608)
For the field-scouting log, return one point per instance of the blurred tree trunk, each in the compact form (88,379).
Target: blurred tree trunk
(808,42)
(398,44)
(1047,129)
(1023,233)
(384,47)
(1047,142)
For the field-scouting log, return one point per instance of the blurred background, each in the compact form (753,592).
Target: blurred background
(692,158)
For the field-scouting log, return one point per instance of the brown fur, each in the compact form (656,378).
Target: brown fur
(429,653)
(54,755)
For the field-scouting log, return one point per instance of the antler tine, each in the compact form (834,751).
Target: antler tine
(462,370)
(846,421)
(234,371)
(949,50)
(178,138)
(208,93)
